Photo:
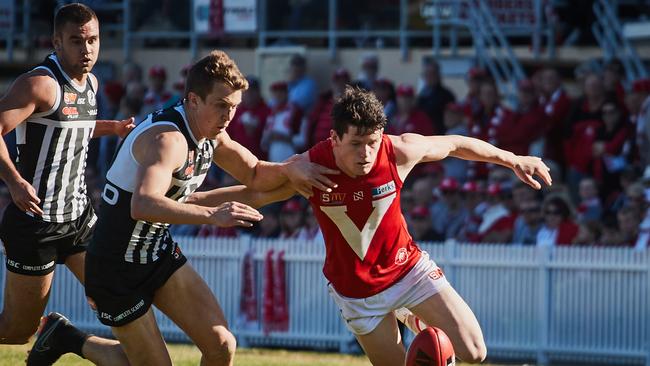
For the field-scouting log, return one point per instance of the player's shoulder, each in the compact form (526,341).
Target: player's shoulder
(36,81)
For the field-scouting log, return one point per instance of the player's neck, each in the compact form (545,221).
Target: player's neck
(192,122)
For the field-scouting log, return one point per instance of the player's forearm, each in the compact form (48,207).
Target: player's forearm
(163,209)
(470,148)
(104,128)
(241,194)
(267,176)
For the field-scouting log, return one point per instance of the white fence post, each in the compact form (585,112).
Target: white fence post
(543,303)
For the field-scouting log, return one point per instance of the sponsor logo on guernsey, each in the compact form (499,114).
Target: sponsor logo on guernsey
(357,196)
(69,98)
(384,189)
(92,112)
(81,101)
(401,257)
(91,98)
(70,112)
(333,198)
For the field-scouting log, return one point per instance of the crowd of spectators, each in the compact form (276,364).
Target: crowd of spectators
(597,143)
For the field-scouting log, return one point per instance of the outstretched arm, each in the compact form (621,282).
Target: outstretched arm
(263,175)
(241,193)
(411,149)
(110,127)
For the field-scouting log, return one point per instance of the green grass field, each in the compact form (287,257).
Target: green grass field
(186,355)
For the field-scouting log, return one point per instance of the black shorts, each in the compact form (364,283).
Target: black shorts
(120,292)
(33,246)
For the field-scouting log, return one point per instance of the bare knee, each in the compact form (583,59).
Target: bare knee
(15,333)
(221,348)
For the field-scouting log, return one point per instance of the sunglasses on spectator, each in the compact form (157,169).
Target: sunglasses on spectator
(552,212)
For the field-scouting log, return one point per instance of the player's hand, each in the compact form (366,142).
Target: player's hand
(304,175)
(24,196)
(234,214)
(526,167)
(123,127)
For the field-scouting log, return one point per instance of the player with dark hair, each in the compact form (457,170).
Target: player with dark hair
(373,265)
(53,109)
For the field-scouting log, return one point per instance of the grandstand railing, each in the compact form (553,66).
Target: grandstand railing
(608,32)
(544,304)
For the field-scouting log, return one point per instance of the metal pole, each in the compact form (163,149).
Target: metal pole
(27,26)
(126,36)
(331,31)
(538,29)
(403,24)
(193,34)
(436,37)
(453,31)
(261,17)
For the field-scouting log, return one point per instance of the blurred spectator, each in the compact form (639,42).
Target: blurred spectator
(385,92)
(281,126)
(558,227)
(291,219)
(528,223)
(250,119)
(157,95)
(369,71)
(629,221)
(409,117)
(497,221)
(527,124)
(472,104)
(643,130)
(584,121)
(319,121)
(613,76)
(473,198)
(611,146)
(610,234)
(455,124)
(269,227)
(420,225)
(433,97)
(588,233)
(488,124)
(449,214)
(302,89)
(556,105)
(311,229)
(131,72)
(212,231)
(590,207)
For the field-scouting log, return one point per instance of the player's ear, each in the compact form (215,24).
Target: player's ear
(334,136)
(193,99)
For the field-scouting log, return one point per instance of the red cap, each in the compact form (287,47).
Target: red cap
(454,107)
(448,184)
(526,85)
(292,206)
(471,186)
(114,91)
(157,71)
(279,85)
(420,211)
(476,72)
(641,86)
(494,189)
(405,90)
(341,73)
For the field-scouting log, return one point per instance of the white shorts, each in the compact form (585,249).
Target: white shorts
(363,315)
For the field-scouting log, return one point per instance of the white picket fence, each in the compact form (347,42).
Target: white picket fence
(537,304)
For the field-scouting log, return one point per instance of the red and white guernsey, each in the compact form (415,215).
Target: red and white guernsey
(366,238)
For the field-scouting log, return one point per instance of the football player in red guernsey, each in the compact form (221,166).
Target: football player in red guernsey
(372,263)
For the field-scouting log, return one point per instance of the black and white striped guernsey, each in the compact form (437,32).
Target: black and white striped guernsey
(53,146)
(117,235)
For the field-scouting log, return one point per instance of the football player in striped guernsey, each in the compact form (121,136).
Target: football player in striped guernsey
(53,109)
